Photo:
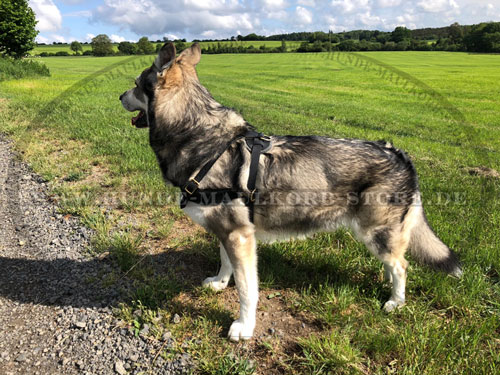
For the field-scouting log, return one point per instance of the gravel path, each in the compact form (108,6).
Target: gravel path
(55,313)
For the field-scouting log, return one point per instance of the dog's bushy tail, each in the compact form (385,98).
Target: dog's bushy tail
(426,247)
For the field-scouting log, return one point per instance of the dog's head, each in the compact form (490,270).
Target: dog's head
(166,73)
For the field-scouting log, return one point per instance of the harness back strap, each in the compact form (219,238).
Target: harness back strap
(257,142)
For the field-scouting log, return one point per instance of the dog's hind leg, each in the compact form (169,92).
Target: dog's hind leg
(389,244)
(240,245)
(397,268)
(220,281)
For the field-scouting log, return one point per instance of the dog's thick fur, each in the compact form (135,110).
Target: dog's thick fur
(306,184)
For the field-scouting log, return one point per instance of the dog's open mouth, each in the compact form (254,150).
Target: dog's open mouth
(139,121)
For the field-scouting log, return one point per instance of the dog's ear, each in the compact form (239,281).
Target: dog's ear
(165,56)
(191,55)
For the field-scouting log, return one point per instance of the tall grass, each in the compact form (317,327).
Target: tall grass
(15,69)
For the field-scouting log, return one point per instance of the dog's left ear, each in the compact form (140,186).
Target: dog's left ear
(165,56)
(191,55)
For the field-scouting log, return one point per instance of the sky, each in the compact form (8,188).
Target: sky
(68,20)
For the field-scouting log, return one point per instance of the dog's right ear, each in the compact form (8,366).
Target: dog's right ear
(165,56)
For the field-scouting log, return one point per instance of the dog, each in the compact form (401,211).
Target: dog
(306,184)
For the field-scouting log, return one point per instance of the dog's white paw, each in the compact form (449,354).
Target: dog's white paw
(392,305)
(215,283)
(240,330)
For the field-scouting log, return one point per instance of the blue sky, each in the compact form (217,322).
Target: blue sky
(68,20)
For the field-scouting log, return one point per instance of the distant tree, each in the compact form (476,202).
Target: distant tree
(383,37)
(144,46)
(76,47)
(101,45)
(402,45)
(348,45)
(335,39)
(456,33)
(283,46)
(253,37)
(365,35)
(127,48)
(400,33)
(389,46)
(17,28)
(484,37)
(180,45)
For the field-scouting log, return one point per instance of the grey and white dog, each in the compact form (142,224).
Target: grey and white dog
(306,184)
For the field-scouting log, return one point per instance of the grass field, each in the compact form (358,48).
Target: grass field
(324,295)
(87,47)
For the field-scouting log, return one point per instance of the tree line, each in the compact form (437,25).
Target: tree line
(483,37)
(101,45)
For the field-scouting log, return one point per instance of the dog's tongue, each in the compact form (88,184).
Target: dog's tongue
(139,115)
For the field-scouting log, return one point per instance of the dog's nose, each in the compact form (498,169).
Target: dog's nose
(121,96)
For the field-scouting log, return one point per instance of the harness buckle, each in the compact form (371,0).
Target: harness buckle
(265,138)
(252,195)
(194,188)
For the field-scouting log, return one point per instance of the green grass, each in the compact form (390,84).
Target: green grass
(82,142)
(15,69)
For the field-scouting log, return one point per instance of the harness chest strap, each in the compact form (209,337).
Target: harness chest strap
(256,142)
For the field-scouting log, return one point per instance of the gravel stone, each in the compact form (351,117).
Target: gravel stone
(54,298)
(119,368)
(22,357)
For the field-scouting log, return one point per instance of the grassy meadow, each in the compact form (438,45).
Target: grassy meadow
(323,296)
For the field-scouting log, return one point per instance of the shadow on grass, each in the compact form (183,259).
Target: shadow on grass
(158,280)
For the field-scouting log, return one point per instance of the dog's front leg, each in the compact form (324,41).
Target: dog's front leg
(241,249)
(220,281)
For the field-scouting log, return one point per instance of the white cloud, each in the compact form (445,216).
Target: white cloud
(388,3)
(209,34)
(370,21)
(116,38)
(42,39)
(47,14)
(437,6)
(151,17)
(274,4)
(89,37)
(351,6)
(79,13)
(73,2)
(277,15)
(213,5)
(171,36)
(58,38)
(304,16)
(307,3)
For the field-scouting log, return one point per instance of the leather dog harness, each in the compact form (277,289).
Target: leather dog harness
(190,192)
